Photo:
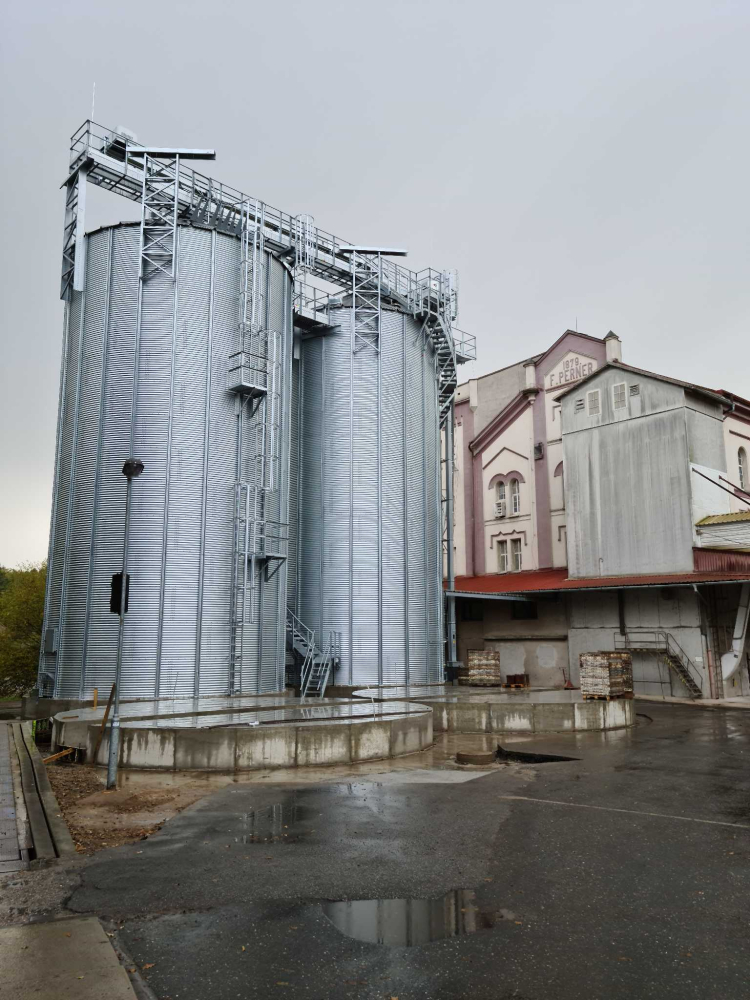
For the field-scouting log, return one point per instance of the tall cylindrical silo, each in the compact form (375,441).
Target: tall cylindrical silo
(145,374)
(368,548)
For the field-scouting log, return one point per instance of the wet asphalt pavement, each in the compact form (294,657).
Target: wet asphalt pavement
(624,874)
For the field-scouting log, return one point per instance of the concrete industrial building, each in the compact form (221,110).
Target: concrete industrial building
(615,501)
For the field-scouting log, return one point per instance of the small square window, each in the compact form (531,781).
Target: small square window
(619,395)
(593,402)
(635,390)
(579,405)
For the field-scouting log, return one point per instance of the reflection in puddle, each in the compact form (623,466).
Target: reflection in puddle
(282,822)
(406,922)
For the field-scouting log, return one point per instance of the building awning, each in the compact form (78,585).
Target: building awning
(514,585)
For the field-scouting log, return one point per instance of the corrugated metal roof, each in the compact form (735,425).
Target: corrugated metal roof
(740,515)
(557,579)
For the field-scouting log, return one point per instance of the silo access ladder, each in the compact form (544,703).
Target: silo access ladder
(317,663)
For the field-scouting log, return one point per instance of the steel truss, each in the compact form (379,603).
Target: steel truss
(159,204)
(73,232)
(366,302)
(112,161)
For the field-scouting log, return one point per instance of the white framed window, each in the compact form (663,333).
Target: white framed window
(515,497)
(592,399)
(500,491)
(742,468)
(619,395)
(502,557)
(515,554)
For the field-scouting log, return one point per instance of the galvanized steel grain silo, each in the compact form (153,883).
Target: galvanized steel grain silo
(369,541)
(148,371)
(322,472)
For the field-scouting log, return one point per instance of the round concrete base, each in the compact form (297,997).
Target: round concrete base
(255,737)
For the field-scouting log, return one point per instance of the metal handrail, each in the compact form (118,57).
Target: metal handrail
(662,641)
(314,300)
(112,161)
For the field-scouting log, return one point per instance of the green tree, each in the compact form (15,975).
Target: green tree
(21,610)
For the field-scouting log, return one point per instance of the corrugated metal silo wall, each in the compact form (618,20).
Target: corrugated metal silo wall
(369,502)
(177,636)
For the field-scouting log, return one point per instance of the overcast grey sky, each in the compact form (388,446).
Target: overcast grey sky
(580,163)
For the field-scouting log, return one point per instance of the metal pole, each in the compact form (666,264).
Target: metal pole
(450,568)
(114,733)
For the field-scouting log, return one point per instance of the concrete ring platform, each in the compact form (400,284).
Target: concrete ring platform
(302,733)
(497,710)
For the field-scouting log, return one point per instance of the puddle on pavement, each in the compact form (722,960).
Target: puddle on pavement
(285,822)
(402,923)
(530,758)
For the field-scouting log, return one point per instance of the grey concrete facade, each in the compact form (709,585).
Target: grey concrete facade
(548,647)
(628,478)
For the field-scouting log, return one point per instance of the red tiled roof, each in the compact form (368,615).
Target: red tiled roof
(557,579)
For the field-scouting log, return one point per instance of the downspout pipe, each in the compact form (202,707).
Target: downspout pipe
(450,564)
(730,661)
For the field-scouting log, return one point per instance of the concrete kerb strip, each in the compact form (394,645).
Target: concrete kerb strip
(61,838)
(696,702)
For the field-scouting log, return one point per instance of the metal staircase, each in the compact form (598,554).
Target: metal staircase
(664,647)
(317,664)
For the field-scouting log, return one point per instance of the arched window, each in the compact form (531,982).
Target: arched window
(742,468)
(515,497)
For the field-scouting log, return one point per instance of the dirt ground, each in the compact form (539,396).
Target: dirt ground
(97,818)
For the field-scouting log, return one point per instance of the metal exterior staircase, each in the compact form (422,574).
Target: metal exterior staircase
(664,647)
(317,664)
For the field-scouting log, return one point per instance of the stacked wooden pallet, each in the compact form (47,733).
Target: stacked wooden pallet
(483,669)
(606,674)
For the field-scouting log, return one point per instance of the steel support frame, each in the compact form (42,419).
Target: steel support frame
(71,278)
(366,302)
(159,205)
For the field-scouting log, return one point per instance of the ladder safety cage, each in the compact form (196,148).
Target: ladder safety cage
(261,541)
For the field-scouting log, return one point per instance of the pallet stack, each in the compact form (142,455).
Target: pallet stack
(483,669)
(606,674)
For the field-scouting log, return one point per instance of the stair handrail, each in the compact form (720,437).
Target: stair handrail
(298,630)
(330,652)
(676,650)
(662,641)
